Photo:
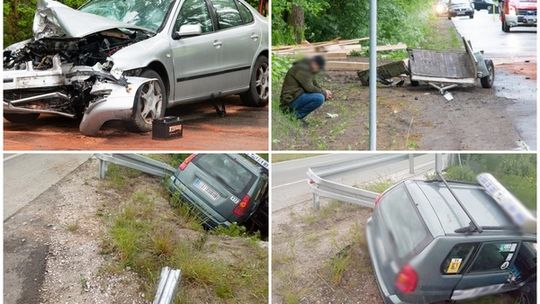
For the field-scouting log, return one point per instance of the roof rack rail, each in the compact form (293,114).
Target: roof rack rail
(473,225)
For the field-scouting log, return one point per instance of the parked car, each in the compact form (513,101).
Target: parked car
(460,8)
(517,13)
(130,60)
(488,5)
(438,241)
(441,8)
(224,188)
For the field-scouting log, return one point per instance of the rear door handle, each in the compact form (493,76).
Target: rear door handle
(217,44)
(254,36)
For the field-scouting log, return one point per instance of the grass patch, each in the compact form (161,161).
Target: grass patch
(380,186)
(338,265)
(145,236)
(119,177)
(72,227)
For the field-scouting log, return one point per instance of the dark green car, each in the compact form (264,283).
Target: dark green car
(224,188)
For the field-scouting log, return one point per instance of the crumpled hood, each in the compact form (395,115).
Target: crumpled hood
(54,19)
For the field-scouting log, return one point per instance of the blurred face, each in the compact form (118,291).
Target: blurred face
(315,68)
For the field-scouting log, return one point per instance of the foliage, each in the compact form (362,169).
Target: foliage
(398,20)
(517,172)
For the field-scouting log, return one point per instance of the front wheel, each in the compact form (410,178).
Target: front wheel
(21,118)
(487,81)
(505,27)
(471,16)
(150,102)
(257,95)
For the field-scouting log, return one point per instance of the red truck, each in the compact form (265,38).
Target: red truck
(517,13)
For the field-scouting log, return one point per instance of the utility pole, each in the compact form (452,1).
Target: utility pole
(373,75)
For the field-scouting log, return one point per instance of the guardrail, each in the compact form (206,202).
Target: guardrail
(321,187)
(168,284)
(133,161)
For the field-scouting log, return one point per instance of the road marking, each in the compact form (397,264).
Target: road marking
(12,156)
(288,184)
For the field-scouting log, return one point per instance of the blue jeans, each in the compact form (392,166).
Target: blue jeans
(306,103)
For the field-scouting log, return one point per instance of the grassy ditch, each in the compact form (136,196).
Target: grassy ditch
(145,230)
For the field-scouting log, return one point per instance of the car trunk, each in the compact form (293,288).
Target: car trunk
(223,181)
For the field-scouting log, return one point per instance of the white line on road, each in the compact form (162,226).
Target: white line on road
(12,156)
(289,184)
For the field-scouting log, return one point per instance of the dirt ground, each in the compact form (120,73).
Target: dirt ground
(56,248)
(414,118)
(242,128)
(304,244)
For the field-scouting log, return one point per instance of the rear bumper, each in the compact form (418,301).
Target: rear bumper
(208,215)
(454,13)
(387,297)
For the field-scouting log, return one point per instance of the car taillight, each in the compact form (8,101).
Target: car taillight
(242,206)
(186,162)
(406,279)
(378,199)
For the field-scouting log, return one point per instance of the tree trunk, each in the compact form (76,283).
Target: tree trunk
(296,23)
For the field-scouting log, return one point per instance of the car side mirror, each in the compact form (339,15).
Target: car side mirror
(188,30)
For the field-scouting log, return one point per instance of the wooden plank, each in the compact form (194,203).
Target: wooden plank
(346,66)
(394,47)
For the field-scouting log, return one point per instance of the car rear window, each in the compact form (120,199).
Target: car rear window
(226,170)
(494,257)
(458,258)
(402,219)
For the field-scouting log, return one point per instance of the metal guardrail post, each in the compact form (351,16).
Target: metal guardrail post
(373,75)
(103,166)
(438,162)
(316,201)
(167,287)
(411,163)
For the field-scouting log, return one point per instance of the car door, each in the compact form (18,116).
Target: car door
(195,57)
(241,38)
(490,272)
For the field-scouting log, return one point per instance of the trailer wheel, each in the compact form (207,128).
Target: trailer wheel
(487,81)
(21,118)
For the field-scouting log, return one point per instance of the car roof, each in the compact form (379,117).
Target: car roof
(448,212)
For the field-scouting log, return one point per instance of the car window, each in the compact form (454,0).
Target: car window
(228,14)
(246,15)
(195,12)
(402,220)
(227,171)
(457,258)
(494,257)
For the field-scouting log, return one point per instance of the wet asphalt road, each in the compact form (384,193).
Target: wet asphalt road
(484,32)
(518,46)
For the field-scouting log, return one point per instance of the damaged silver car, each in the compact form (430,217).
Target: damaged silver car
(131,59)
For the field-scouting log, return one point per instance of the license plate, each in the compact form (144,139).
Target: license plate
(206,189)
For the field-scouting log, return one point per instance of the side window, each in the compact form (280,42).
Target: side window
(457,258)
(195,12)
(247,17)
(494,257)
(402,220)
(227,13)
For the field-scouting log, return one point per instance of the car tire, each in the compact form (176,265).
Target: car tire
(505,27)
(449,17)
(146,109)
(487,81)
(257,95)
(471,16)
(21,118)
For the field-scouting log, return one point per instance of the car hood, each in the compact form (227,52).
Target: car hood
(54,19)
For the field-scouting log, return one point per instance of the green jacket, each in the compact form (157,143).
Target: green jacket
(299,79)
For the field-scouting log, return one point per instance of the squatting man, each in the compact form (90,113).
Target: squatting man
(301,94)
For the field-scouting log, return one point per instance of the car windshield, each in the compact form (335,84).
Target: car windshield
(227,171)
(149,14)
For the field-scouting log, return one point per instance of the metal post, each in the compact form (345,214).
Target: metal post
(102,168)
(411,163)
(438,163)
(373,75)
(316,201)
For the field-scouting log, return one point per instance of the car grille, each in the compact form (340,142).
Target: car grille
(526,12)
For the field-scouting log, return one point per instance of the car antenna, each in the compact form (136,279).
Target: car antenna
(473,225)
